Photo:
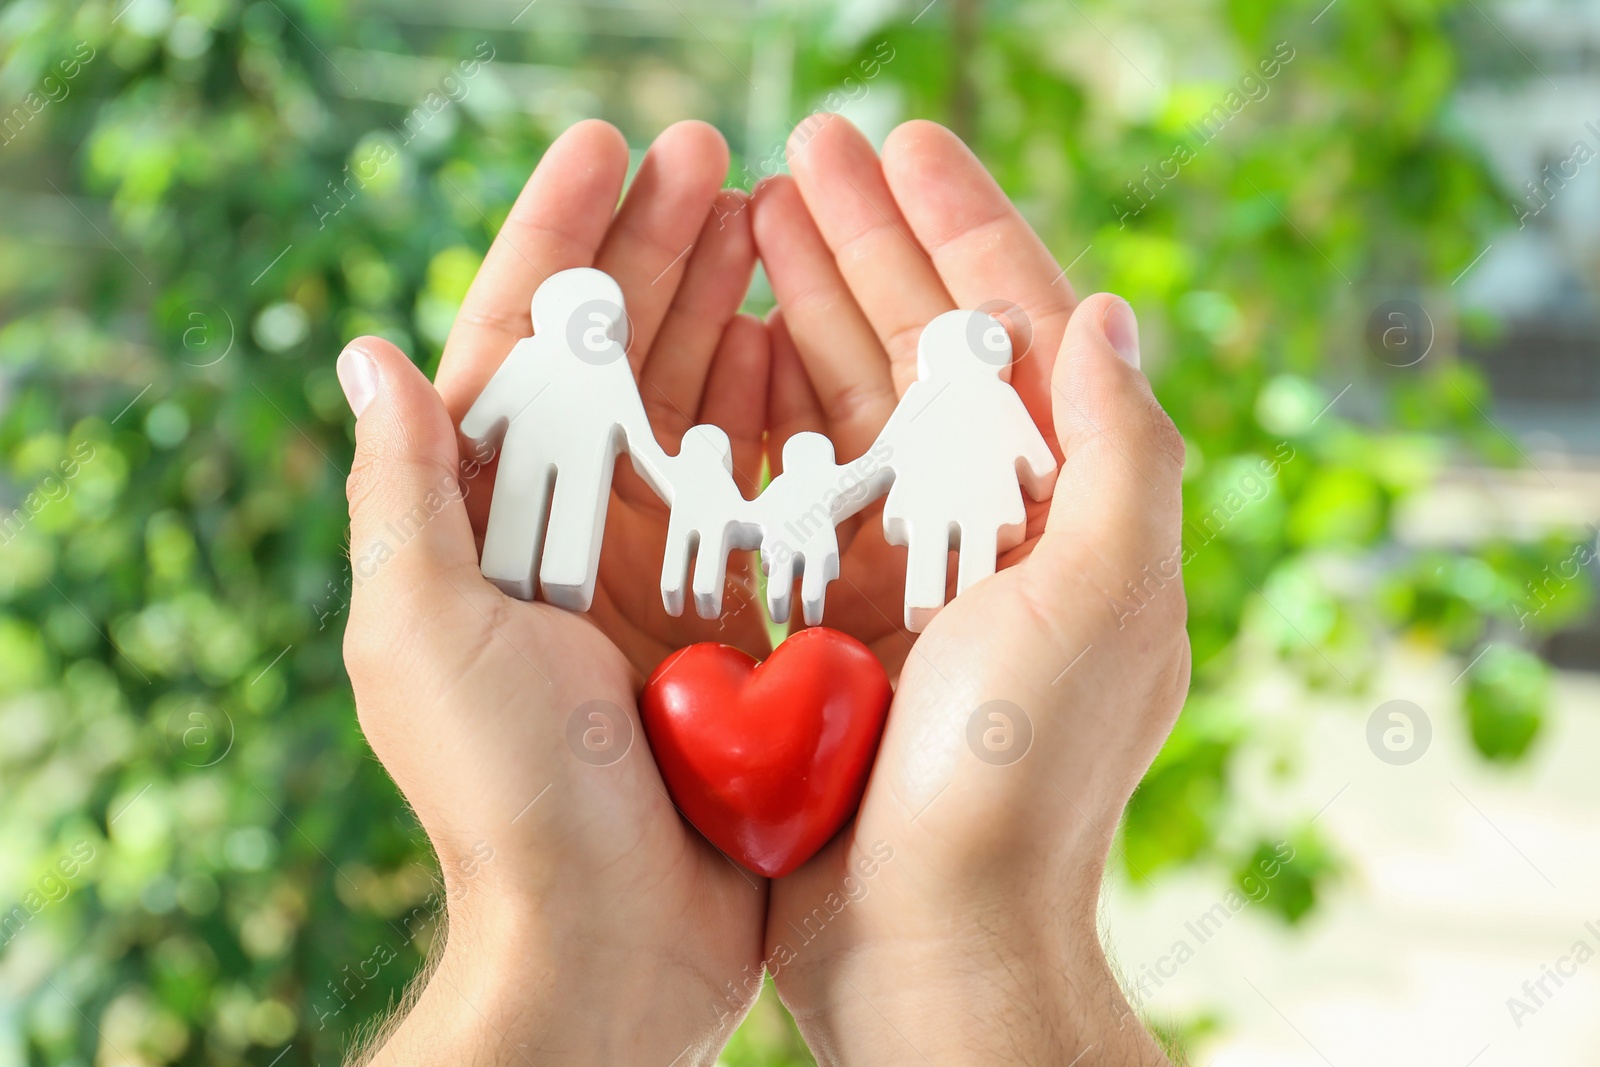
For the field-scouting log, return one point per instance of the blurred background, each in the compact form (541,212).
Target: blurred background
(1361,238)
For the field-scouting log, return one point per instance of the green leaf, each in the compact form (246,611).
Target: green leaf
(1508,691)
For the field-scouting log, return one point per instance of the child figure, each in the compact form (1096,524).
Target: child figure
(798,512)
(710,517)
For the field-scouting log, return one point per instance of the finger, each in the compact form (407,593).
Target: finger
(557,222)
(982,246)
(409,533)
(835,342)
(649,243)
(1117,504)
(893,279)
(792,404)
(714,285)
(736,395)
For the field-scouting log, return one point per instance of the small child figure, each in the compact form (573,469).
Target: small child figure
(708,511)
(798,512)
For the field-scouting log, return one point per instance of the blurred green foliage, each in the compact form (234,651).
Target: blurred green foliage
(205,197)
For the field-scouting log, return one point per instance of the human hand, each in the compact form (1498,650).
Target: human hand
(603,925)
(1028,710)
(683,254)
(856,284)
(478,706)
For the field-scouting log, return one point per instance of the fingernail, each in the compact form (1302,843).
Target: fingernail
(358,377)
(1122,330)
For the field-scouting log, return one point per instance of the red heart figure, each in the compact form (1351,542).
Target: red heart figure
(767,760)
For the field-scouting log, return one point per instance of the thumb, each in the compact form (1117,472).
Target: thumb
(1117,507)
(408,524)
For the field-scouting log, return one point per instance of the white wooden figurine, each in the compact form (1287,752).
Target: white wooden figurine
(565,404)
(960,440)
(709,518)
(559,410)
(798,520)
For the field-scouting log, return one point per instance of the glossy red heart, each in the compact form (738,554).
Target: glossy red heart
(768,759)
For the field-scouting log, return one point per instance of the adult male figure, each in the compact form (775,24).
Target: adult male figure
(560,408)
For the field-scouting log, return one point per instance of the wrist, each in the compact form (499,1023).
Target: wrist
(512,986)
(957,999)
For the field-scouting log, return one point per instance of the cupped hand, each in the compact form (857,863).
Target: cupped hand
(586,919)
(683,254)
(954,920)
(587,922)
(862,254)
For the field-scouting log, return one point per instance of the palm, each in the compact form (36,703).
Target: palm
(660,871)
(512,731)
(919,787)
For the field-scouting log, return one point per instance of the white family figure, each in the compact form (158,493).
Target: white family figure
(559,410)
(564,405)
(792,522)
(798,514)
(709,519)
(959,442)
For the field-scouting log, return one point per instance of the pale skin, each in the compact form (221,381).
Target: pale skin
(605,929)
